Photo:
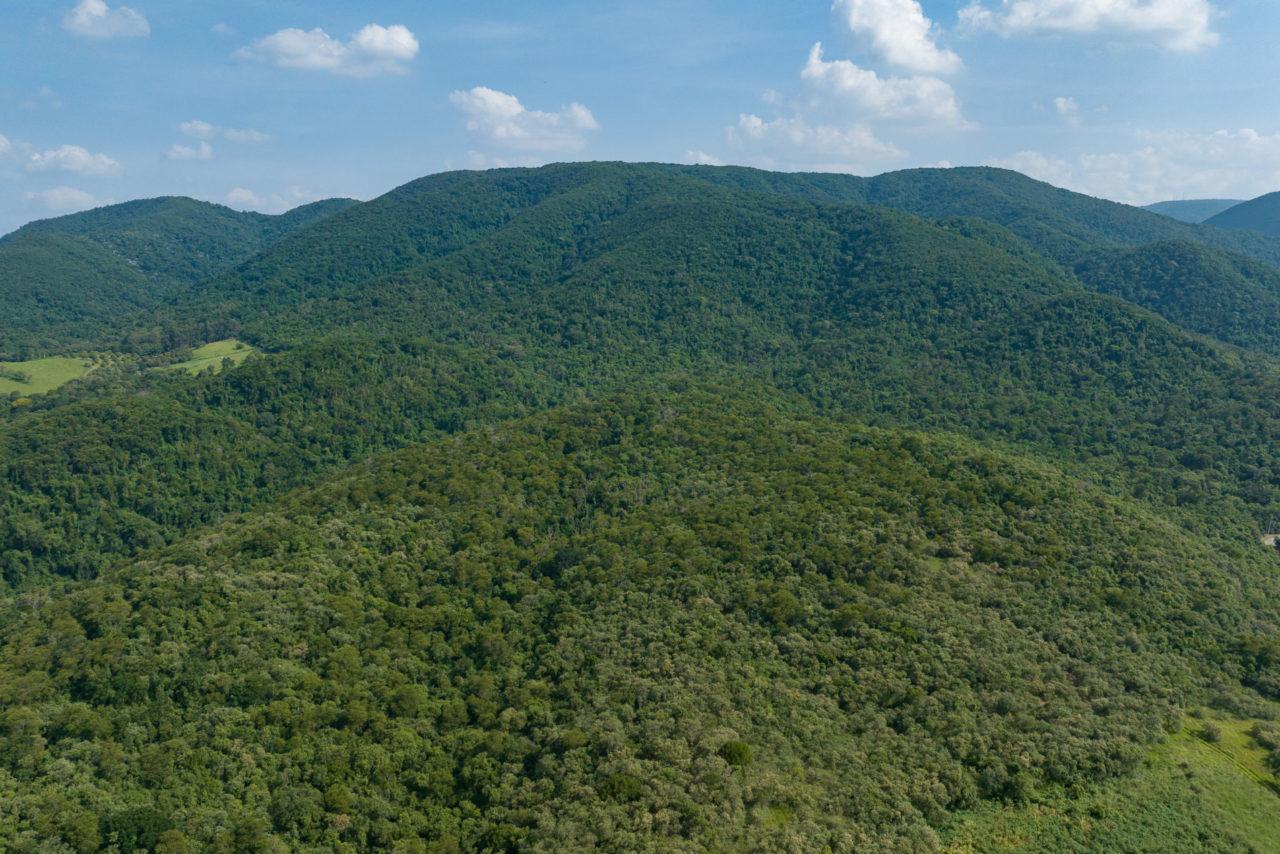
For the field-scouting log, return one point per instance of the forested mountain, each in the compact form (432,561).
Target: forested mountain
(1261,215)
(1228,297)
(635,507)
(1193,210)
(80,280)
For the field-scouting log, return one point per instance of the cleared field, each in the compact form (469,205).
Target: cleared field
(41,375)
(1185,786)
(211,356)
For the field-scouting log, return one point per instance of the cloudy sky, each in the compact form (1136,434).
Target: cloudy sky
(268,105)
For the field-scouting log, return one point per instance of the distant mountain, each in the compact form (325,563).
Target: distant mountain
(1193,210)
(1261,214)
(1058,223)
(80,280)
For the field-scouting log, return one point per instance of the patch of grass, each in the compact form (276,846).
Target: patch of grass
(211,356)
(1190,795)
(38,376)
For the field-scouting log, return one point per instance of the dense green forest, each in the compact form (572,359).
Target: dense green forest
(82,281)
(1261,215)
(630,507)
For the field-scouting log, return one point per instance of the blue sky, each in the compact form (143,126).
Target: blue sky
(268,105)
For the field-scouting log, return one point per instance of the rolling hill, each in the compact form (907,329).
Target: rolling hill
(85,280)
(642,507)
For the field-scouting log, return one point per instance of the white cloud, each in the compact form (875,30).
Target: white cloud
(245,135)
(95,19)
(1166,165)
(504,121)
(793,143)
(1068,108)
(901,33)
(197,128)
(72,158)
(64,200)
(1180,25)
(224,29)
(5,145)
(701,158)
(925,99)
(203,151)
(204,130)
(243,198)
(371,51)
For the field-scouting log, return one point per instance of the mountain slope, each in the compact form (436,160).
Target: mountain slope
(86,280)
(1194,211)
(1231,298)
(604,284)
(60,291)
(654,622)
(1058,223)
(1261,215)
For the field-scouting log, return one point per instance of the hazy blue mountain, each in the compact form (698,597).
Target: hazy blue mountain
(1193,210)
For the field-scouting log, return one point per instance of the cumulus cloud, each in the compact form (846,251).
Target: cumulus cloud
(64,200)
(96,20)
(243,198)
(926,99)
(793,143)
(1167,165)
(203,151)
(1068,109)
(1180,25)
(373,50)
(901,33)
(204,130)
(72,158)
(501,119)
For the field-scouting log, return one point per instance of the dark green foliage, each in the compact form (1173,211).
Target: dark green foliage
(82,281)
(1260,215)
(1231,298)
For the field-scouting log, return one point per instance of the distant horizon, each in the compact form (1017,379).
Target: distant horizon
(268,106)
(300,205)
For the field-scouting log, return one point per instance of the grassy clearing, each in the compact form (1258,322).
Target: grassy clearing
(1189,796)
(38,376)
(211,356)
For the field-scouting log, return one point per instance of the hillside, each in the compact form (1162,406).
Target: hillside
(603,284)
(641,507)
(648,622)
(1260,215)
(85,280)
(1228,297)
(1193,210)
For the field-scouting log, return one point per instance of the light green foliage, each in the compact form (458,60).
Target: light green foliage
(757,628)
(38,376)
(1186,797)
(211,356)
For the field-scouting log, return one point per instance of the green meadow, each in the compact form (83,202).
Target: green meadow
(1189,795)
(211,356)
(38,376)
